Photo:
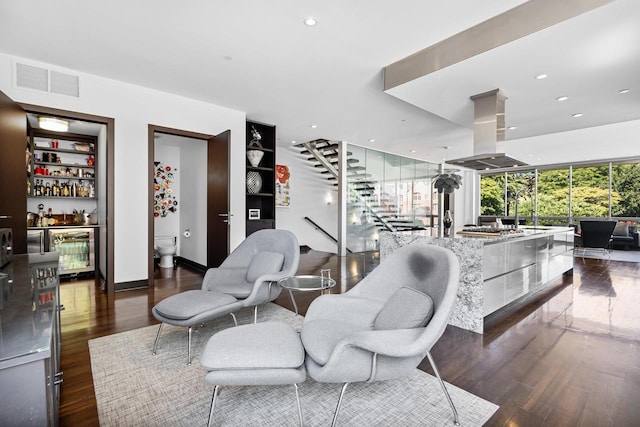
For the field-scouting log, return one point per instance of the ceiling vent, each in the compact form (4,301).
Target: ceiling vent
(488,134)
(42,79)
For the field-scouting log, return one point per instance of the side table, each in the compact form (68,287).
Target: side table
(308,283)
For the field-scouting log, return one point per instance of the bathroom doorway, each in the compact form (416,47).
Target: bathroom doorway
(188,196)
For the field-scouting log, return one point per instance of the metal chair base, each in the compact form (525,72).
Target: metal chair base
(456,420)
(189,332)
(215,395)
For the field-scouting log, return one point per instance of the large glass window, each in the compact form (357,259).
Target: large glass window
(590,191)
(625,183)
(553,196)
(520,194)
(564,195)
(387,192)
(492,195)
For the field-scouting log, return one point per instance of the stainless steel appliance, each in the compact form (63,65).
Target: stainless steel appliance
(76,248)
(36,241)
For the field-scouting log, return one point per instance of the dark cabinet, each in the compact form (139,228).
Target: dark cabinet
(260,176)
(13,185)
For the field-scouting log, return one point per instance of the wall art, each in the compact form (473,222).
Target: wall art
(164,201)
(282,185)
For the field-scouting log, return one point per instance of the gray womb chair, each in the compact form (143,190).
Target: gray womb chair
(385,326)
(247,277)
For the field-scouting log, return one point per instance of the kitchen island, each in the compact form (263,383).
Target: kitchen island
(498,269)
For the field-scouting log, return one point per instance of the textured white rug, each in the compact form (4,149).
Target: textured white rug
(135,388)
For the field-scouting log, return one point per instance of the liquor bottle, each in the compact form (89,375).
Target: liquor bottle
(74,190)
(47,189)
(50,219)
(55,188)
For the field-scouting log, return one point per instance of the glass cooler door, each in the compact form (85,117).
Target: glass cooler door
(76,248)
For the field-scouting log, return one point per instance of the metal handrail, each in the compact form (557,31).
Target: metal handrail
(325,232)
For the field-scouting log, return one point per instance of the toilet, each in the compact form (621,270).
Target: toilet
(165,247)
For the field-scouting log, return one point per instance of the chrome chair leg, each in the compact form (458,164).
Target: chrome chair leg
(155,343)
(189,346)
(255,314)
(456,421)
(235,321)
(213,405)
(299,405)
(335,415)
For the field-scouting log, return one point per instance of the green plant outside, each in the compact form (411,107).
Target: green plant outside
(589,192)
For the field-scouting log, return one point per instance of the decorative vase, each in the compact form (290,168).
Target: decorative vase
(254,182)
(447,221)
(255,156)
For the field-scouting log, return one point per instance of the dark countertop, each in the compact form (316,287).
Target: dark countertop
(28,296)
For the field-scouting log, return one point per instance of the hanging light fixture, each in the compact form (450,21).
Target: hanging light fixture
(54,124)
(447,181)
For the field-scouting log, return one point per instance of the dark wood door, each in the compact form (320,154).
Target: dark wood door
(218,199)
(13,175)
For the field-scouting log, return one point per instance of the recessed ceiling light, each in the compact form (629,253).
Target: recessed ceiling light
(412,151)
(293,141)
(372,140)
(624,91)
(562,98)
(314,126)
(578,115)
(512,127)
(541,76)
(310,21)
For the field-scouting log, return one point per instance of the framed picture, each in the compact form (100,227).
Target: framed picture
(254,213)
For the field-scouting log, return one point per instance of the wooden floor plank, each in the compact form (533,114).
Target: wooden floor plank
(570,356)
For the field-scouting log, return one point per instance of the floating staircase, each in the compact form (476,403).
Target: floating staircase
(367,201)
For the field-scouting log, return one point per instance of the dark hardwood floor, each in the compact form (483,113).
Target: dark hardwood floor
(567,357)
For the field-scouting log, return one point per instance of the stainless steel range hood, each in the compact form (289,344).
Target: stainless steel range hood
(488,134)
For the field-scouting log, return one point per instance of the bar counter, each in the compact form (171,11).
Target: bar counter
(495,271)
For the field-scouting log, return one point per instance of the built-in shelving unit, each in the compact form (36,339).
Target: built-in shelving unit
(260,177)
(61,165)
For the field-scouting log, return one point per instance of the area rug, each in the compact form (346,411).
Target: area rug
(135,388)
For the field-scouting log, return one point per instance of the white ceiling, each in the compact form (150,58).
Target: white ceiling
(257,56)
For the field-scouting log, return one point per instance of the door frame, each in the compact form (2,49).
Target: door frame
(152,129)
(110,177)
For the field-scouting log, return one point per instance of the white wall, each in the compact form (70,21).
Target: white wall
(133,108)
(194,201)
(312,195)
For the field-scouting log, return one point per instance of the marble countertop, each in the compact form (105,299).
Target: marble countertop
(527,232)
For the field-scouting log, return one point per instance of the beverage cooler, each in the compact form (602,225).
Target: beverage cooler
(76,248)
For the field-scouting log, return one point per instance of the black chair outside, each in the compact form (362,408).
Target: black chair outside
(596,236)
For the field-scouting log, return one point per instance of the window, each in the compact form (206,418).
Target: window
(564,195)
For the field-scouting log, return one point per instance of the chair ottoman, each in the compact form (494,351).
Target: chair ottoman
(268,353)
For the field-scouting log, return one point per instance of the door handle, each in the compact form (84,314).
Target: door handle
(5,217)
(227,216)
